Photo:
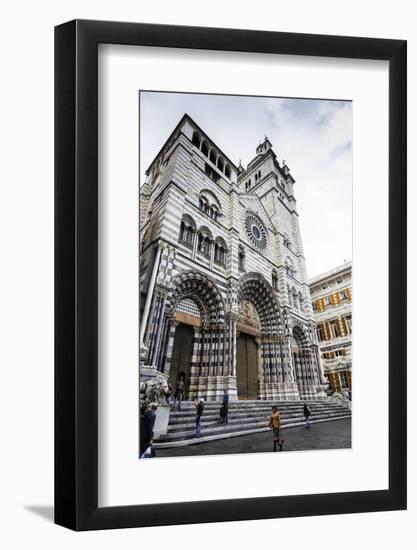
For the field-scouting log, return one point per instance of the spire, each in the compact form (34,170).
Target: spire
(264,146)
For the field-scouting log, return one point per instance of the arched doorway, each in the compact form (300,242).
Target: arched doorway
(181,357)
(247,351)
(195,334)
(258,348)
(247,367)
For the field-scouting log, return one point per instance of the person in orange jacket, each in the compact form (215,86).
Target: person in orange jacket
(275,423)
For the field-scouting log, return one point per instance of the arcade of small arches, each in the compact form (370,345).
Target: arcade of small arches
(237,342)
(214,157)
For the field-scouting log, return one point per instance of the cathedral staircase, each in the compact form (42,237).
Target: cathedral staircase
(245,417)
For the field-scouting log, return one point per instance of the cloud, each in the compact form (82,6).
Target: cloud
(341,149)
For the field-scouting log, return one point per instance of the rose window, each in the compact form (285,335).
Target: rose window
(255,231)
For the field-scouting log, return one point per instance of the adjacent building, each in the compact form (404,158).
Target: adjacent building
(224,296)
(331,295)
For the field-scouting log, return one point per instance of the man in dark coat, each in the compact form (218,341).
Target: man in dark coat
(147,426)
(306,416)
(224,411)
(199,413)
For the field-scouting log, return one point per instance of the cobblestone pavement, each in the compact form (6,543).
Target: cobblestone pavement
(324,435)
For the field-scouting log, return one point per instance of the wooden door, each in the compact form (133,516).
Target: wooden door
(247,367)
(181,356)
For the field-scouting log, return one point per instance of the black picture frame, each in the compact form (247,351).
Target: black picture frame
(76,272)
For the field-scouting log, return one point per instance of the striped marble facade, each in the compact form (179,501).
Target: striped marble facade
(213,237)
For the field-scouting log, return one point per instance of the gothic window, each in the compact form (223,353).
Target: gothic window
(204,244)
(295,300)
(274,280)
(300,301)
(290,270)
(241,258)
(204,148)
(220,253)
(227,172)
(187,231)
(213,157)
(220,165)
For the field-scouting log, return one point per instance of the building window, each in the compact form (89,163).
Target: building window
(327,301)
(241,258)
(334,329)
(286,241)
(339,281)
(343,295)
(196,139)
(203,204)
(220,165)
(314,306)
(219,254)
(213,157)
(290,270)
(210,210)
(320,333)
(227,172)
(186,233)
(274,280)
(204,149)
(348,323)
(343,379)
(204,245)
(211,173)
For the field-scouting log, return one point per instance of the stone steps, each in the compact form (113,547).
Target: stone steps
(244,417)
(185,424)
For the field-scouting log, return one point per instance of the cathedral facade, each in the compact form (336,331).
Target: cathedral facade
(224,295)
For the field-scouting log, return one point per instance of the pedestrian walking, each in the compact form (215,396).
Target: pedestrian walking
(168,395)
(224,410)
(199,413)
(307,414)
(149,452)
(147,425)
(275,423)
(179,391)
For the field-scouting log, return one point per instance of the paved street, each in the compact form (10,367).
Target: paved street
(325,435)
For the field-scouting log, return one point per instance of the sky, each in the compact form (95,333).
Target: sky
(313,136)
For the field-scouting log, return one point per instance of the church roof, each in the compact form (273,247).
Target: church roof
(185,117)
